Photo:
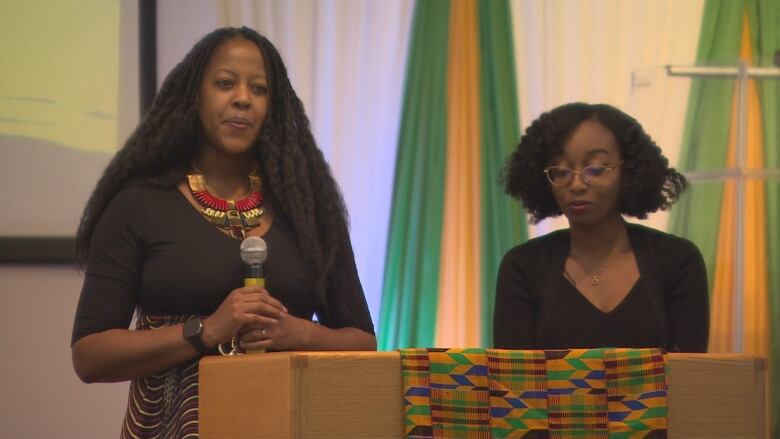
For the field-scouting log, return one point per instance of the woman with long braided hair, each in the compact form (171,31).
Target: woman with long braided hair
(224,153)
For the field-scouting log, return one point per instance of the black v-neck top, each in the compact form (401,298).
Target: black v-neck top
(575,321)
(151,249)
(537,308)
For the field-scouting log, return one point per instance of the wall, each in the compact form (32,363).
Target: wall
(41,395)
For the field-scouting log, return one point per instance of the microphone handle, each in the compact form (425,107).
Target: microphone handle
(254,276)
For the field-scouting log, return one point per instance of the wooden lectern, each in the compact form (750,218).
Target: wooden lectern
(359,395)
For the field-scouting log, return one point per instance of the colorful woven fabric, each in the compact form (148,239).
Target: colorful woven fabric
(577,393)
(460,404)
(582,393)
(518,393)
(445,393)
(636,392)
(417,393)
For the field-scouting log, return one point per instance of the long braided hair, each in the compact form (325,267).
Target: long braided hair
(161,149)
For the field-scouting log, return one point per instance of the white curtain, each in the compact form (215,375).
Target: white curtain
(346,60)
(607,51)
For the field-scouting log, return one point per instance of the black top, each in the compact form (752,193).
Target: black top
(577,322)
(668,307)
(151,249)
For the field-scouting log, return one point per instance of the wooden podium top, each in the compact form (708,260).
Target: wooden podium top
(359,395)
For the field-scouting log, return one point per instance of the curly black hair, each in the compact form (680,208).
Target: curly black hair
(648,183)
(293,169)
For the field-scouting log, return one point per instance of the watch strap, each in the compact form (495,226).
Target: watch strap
(193,332)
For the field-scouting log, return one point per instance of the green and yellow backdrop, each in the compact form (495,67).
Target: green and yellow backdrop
(416,104)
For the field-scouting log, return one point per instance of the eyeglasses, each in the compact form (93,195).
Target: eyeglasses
(591,174)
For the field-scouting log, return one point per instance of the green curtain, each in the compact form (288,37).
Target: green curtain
(503,224)
(411,281)
(764,17)
(707,124)
(705,143)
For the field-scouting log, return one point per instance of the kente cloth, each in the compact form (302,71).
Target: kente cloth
(518,393)
(165,405)
(636,392)
(415,370)
(460,403)
(576,393)
(582,393)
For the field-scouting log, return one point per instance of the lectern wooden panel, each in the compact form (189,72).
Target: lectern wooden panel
(301,395)
(359,395)
(718,396)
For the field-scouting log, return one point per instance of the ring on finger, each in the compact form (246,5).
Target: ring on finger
(262,332)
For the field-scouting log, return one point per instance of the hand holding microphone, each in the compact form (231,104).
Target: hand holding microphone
(283,332)
(247,307)
(254,251)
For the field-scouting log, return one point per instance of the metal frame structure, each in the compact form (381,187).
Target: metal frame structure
(742,72)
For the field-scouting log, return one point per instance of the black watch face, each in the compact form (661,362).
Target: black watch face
(192,327)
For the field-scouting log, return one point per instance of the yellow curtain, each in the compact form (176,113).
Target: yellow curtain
(755,287)
(458,313)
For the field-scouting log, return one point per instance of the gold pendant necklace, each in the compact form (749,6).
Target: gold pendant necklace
(595,280)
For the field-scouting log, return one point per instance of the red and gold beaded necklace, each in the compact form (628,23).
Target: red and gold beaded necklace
(236,216)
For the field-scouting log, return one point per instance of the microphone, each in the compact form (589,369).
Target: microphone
(254,251)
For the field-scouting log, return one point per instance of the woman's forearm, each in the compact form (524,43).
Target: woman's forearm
(121,354)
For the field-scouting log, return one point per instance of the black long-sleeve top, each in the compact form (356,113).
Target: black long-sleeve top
(668,307)
(152,250)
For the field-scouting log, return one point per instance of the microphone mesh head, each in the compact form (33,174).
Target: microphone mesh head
(254,250)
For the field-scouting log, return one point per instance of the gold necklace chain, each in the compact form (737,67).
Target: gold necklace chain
(595,280)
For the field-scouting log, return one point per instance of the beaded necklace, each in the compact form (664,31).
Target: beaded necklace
(236,216)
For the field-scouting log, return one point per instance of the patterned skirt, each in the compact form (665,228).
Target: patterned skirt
(165,405)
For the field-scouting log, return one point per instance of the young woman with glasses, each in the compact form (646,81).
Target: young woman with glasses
(603,282)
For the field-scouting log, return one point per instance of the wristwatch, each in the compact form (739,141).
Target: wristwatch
(193,328)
